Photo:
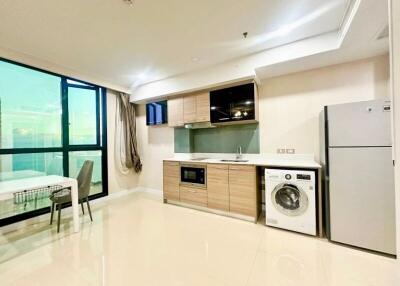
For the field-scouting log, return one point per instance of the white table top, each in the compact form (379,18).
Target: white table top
(13,186)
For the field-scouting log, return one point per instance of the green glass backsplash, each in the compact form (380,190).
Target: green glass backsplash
(183,140)
(224,139)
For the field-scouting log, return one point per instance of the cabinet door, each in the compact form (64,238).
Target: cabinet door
(243,190)
(194,196)
(175,112)
(189,109)
(203,107)
(218,186)
(171,180)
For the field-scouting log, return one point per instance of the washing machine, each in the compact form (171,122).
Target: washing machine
(290,200)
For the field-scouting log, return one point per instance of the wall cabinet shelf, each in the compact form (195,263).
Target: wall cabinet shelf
(175,112)
(189,109)
(231,105)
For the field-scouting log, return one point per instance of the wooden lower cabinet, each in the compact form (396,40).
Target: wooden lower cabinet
(171,179)
(194,196)
(230,188)
(218,186)
(243,190)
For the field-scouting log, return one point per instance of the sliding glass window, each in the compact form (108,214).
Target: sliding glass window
(49,125)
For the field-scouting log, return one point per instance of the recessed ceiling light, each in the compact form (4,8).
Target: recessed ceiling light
(129,2)
(195,59)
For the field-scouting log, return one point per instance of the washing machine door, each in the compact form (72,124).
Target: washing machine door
(289,199)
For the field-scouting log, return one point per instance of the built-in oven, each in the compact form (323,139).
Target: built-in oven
(194,175)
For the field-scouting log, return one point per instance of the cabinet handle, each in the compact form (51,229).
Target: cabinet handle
(246,168)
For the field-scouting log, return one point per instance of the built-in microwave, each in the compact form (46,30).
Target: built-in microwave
(194,175)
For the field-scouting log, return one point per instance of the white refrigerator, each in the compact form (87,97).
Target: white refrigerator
(359,175)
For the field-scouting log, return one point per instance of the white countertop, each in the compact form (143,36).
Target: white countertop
(268,160)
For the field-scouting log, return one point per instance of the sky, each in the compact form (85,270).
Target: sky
(31,109)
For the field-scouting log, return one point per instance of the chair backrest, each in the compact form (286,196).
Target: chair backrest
(85,178)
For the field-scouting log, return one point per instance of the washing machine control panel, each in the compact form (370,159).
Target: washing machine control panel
(303,177)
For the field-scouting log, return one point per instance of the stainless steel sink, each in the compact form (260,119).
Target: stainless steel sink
(234,160)
(198,159)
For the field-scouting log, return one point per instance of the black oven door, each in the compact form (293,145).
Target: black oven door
(193,175)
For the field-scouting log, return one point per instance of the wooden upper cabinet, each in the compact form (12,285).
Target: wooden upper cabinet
(189,109)
(218,186)
(203,107)
(175,112)
(171,178)
(243,190)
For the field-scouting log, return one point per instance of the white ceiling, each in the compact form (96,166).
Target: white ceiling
(151,40)
(357,38)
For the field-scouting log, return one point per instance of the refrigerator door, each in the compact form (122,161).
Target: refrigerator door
(362,198)
(364,123)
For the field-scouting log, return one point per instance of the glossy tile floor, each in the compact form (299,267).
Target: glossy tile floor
(137,240)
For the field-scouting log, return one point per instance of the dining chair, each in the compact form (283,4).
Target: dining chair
(63,196)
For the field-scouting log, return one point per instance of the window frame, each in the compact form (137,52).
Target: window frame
(66,148)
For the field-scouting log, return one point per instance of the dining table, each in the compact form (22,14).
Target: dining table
(39,182)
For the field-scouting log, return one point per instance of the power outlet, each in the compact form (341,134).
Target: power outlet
(290,151)
(281,151)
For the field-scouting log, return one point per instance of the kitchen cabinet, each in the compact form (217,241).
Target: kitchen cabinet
(189,109)
(193,195)
(203,107)
(234,105)
(171,179)
(243,190)
(218,186)
(175,112)
(230,189)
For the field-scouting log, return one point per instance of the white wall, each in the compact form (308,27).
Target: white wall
(155,144)
(116,180)
(290,104)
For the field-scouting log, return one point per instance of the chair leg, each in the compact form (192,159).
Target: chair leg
(83,209)
(88,206)
(59,217)
(52,213)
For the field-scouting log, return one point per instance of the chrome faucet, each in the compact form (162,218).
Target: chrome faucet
(239,154)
